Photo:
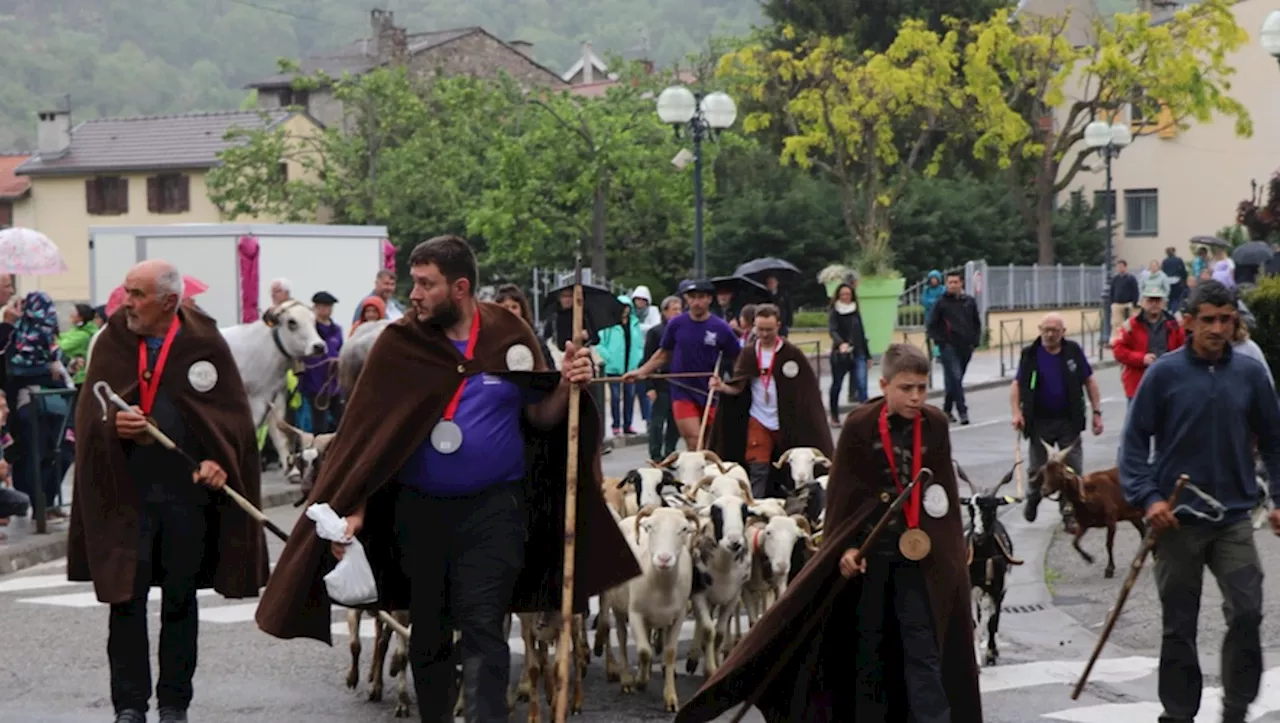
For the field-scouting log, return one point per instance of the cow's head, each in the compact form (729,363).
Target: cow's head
(306,454)
(293,327)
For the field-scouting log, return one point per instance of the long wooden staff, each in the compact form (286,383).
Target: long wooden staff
(674,375)
(103,392)
(1018,471)
(1147,544)
(564,649)
(706,411)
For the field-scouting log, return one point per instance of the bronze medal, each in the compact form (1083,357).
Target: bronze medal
(914,544)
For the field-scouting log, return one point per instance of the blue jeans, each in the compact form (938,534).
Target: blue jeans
(623,395)
(840,366)
(955,360)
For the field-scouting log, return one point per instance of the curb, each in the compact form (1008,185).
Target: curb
(36,550)
(635,440)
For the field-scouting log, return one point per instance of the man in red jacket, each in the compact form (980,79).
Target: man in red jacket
(1145,337)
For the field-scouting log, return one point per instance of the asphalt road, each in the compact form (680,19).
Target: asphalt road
(53,664)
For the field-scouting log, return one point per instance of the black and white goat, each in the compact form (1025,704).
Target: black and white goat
(990,555)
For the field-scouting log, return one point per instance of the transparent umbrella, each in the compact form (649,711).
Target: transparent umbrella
(27,252)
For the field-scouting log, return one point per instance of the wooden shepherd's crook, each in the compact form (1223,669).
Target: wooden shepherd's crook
(1018,471)
(1147,544)
(564,649)
(706,411)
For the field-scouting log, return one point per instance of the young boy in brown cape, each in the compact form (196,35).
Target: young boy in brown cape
(772,403)
(880,638)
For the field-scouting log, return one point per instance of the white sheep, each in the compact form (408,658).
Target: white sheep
(722,565)
(711,488)
(690,466)
(733,469)
(802,461)
(649,486)
(661,539)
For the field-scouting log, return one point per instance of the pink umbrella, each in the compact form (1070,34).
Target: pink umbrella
(191,286)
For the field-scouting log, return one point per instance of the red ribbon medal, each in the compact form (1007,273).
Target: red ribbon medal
(149,381)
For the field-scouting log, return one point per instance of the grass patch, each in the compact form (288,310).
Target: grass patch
(1051,578)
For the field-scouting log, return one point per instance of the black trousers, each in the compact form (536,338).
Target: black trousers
(172,546)
(898,589)
(462,556)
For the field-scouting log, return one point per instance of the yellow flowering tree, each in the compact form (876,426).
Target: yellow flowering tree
(1171,74)
(873,121)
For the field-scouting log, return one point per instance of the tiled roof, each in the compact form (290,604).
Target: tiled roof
(12,186)
(190,140)
(358,57)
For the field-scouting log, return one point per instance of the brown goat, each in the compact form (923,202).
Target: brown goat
(1094,500)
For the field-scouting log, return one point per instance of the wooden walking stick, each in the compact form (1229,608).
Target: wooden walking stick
(1147,544)
(706,411)
(564,649)
(1018,470)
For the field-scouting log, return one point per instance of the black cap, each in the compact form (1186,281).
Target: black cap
(324,297)
(698,286)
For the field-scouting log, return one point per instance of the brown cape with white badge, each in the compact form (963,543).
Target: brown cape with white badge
(404,387)
(807,664)
(201,378)
(802,421)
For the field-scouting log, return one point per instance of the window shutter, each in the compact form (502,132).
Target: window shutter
(122,195)
(1167,128)
(155,197)
(184,193)
(92,197)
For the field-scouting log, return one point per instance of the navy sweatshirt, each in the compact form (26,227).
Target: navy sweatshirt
(1203,416)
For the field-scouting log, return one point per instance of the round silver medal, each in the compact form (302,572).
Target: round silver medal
(936,502)
(790,369)
(446,437)
(519,358)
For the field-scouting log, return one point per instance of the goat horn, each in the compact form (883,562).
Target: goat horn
(783,459)
(746,491)
(666,462)
(1050,449)
(692,516)
(818,456)
(802,523)
(809,544)
(321,441)
(715,459)
(702,483)
(643,513)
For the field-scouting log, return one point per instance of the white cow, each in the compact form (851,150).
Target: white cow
(265,351)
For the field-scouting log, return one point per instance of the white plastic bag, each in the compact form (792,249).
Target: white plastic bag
(351,583)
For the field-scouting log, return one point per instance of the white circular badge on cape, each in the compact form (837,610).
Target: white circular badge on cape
(936,502)
(203,376)
(446,437)
(519,358)
(790,369)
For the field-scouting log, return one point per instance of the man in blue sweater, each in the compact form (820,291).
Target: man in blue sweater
(1204,405)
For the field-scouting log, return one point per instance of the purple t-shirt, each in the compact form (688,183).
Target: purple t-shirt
(1050,385)
(694,346)
(492,449)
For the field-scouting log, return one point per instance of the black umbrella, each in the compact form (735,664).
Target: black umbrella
(745,290)
(1210,241)
(1254,253)
(766,267)
(600,308)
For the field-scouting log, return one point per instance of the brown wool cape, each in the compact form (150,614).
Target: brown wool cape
(802,421)
(804,643)
(403,389)
(102,543)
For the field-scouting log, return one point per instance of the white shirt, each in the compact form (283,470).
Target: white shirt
(766,413)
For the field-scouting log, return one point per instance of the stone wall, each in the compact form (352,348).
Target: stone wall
(481,55)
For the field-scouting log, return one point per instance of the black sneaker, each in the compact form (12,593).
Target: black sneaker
(964,419)
(131,716)
(173,715)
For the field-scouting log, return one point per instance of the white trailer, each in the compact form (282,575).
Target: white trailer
(342,260)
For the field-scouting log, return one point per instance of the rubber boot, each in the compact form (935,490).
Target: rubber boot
(759,474)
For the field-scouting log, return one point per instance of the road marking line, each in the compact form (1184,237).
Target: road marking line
(1268,700)
(82,599)
(1045,672)
(226,614)
(35,582)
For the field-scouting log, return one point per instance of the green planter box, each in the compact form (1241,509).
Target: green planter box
(878,299)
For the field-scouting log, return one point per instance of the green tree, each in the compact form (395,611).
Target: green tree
(870,25)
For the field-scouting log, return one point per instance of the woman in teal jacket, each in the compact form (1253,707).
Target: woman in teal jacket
(622,349)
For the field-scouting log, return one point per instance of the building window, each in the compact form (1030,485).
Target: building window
(289,97)
(1141,212)
(169,193)
(282,173)
(1105,201)
(107,195)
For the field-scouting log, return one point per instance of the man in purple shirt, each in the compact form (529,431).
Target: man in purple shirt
(692,342)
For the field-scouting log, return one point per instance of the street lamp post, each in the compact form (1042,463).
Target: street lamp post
(1269,36)
(702,116)
(1108,139)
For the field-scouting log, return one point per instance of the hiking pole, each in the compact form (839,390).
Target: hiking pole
(103,392)
(1148,543)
